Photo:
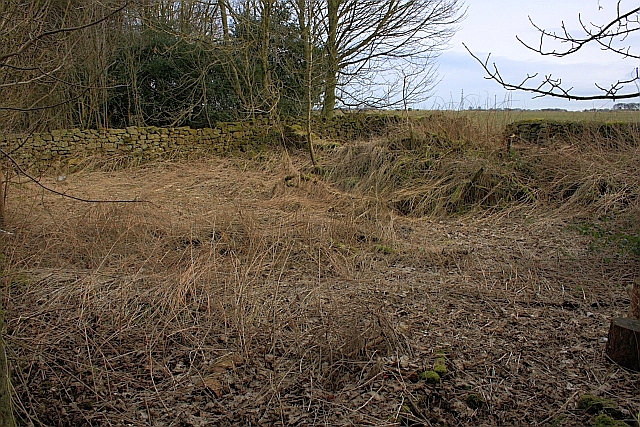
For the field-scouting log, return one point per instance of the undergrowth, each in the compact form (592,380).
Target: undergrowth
(106,301)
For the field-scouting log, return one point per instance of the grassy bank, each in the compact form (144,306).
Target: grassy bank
(455,163)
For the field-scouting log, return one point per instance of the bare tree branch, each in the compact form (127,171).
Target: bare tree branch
(604,35)
(616,30)
(59,193)
(550,86)
(34,39)
(46,107)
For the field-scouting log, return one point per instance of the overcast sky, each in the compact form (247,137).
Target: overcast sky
(491,26)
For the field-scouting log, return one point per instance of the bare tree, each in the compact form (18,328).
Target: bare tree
(52,55)
(611,36)
(310,18)
(38,59)
(367,37)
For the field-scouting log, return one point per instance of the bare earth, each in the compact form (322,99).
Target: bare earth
(248,296)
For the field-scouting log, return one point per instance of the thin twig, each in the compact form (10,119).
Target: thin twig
(51,190)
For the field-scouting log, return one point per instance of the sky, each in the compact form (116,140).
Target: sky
(491,26)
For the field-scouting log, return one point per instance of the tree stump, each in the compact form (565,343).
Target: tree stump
(623,346)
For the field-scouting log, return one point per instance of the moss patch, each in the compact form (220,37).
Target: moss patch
(604,420)
(474,401)
(594,404)
(440,367)
(430,377)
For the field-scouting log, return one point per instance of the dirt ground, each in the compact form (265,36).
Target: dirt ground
(244,295)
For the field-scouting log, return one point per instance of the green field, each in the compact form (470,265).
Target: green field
(595,116)
(496,120)
(512,116)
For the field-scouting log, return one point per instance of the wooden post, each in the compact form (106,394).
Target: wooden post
(6,412)
(623,346)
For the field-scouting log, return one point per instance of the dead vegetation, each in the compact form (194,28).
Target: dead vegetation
(452,165)
(251,292)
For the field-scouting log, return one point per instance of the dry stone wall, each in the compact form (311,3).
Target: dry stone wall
(42,149)
(143,142)
(536,131)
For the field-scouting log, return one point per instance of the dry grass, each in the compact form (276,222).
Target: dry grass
(447,164)
(247,292)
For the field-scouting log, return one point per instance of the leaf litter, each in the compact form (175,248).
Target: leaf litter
(234,299)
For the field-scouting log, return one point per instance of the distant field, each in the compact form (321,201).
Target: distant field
(495,121)
(600,116)
(511,116)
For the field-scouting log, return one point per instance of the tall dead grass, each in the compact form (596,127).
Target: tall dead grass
(108,304)
(106,300)
(454,164)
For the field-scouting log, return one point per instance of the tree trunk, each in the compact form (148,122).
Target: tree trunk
(304,22)
(634,311)
(269,96)
(6,412)
(331,77)
(623,346)
(331,84)
(225,21)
